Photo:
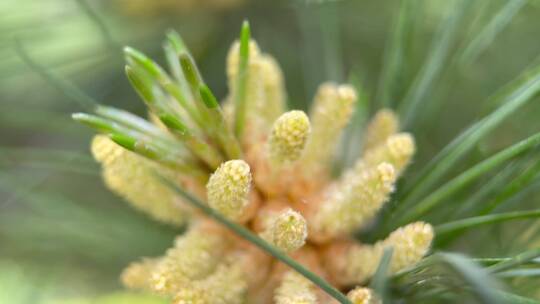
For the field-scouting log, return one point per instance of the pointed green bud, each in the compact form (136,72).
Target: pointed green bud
(95,122)
(127,142)
(176,41)
(245,36)
(207,97)
(135,57)
(135,145)
(173,123)
(140,84)
(191,72)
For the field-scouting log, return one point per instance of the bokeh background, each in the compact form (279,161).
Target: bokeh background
(64,236)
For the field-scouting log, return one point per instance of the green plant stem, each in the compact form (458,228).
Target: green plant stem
(257,241)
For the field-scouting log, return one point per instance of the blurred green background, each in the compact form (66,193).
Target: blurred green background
(63,235)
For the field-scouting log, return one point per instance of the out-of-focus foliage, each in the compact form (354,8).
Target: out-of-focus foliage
(62,235)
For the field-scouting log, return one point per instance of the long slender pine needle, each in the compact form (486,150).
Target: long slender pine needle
(511,97)
(513,187)
(331,37)
(48,159)
(66,87)
(487,35)
(520,273)
(379,282)
(511,298)
(423,83)
(518,260)
(394,62)
(100,24)
(438,196)
(483,285)
(240,98)
(492,186)
(492,261)
(467,223)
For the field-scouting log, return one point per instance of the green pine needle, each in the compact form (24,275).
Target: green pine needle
(394,62)
(483,285)
(511,97)
(69,89)
(380,281)
(423,83)
(463,224)
(240,98)
(464,179)
(516,261)
(486,36)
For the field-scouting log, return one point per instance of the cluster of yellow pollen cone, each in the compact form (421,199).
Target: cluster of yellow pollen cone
(281,188)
